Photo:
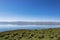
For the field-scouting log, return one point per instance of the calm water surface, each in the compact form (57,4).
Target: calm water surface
(30,27)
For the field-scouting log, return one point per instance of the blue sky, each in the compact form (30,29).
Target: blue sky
(29,10)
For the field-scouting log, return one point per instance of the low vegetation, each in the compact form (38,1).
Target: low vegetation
(44,34)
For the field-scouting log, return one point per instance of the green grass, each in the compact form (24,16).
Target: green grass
(44,34)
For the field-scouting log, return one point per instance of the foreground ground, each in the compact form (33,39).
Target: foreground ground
(46,34)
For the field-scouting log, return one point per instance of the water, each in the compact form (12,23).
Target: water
(30,27)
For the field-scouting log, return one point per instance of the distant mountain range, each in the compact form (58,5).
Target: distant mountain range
(30,23)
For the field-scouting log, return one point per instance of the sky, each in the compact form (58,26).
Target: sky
(30,10)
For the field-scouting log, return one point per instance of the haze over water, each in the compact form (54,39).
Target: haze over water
(27,27)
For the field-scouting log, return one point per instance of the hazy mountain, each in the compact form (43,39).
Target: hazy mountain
(31,23)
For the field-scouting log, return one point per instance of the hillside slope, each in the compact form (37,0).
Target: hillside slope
(44,34)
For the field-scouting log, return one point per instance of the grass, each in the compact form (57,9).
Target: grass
(44,34)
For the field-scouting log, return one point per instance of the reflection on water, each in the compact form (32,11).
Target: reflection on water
(30,27)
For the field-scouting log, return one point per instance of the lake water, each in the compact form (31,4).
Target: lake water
(30,27)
